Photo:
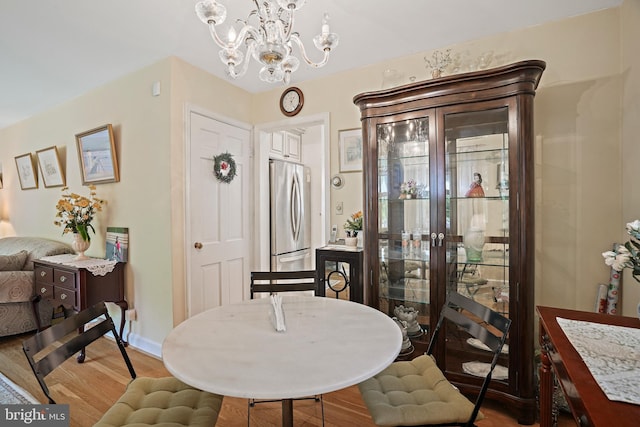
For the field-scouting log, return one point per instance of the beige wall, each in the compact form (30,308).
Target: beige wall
(148,199)
(578,152)
(139,201)
(630,186)
(584,174)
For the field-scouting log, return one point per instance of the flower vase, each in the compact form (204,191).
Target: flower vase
(360,239)
(473,244)
(80,245)
(350,241)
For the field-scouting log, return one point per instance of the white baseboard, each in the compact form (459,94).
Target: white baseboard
(144,345)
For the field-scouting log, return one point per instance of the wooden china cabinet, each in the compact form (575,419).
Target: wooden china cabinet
(449,208)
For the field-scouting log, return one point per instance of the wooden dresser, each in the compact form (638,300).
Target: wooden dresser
(76,288)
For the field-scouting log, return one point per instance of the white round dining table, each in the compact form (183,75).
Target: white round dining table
(235,350)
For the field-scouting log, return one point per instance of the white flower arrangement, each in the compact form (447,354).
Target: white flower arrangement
(627,255)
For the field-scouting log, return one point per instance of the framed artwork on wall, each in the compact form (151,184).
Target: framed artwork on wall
(26,172)
(97,155)
(50,167)
(350,150)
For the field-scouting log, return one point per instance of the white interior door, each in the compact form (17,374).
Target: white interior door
(219,220)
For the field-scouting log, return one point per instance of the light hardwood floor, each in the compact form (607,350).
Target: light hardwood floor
(91,388)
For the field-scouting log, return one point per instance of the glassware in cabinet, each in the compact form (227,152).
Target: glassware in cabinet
(404,216)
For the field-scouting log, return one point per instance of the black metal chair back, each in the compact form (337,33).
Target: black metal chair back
(50,357)
(283,281)
(479,321)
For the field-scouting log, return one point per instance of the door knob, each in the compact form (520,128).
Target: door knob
(198,245)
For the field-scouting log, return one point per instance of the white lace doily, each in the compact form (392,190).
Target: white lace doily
(612,354)
(96,266)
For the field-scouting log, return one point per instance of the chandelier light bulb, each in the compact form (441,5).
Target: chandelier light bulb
(268,35)
(232,35)
(325,25)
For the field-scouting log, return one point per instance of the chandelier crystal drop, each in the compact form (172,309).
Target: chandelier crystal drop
(266,35)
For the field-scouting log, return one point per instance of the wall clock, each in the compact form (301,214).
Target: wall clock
(291,101)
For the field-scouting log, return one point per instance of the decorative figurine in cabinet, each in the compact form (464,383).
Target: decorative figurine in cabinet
(449,208)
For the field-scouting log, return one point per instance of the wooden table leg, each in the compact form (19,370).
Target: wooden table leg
(287,413)
(546,388)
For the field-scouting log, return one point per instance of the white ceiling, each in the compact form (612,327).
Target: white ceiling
(53,51)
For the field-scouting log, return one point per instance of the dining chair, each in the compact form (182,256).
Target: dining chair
(273,282)
(283,281)
(146,401)
(417,393)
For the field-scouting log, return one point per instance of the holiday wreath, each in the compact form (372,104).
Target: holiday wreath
(224,167)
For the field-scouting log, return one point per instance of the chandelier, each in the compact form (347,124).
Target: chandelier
(269,42)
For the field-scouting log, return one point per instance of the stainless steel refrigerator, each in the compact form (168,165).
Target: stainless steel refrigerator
(290,216)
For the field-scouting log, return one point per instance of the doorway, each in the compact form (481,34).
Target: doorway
(218,227)
(315,134)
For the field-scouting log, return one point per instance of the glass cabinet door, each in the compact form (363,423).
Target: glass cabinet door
(477,222)
(404,219)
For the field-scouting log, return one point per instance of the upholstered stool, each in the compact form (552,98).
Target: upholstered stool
(414,392)
(163,401)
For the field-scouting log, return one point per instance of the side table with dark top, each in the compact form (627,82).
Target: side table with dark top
(589,405)
(76,288)
(328,259)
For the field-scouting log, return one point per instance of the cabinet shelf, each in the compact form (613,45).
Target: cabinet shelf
(407,290)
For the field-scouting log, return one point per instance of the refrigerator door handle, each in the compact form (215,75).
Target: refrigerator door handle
(293,258)
(295,207)
(292,208)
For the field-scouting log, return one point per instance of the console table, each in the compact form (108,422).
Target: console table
(589,405)
(71,284)
(333,255)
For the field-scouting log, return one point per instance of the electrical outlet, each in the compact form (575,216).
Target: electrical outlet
(131,314)
(339,208)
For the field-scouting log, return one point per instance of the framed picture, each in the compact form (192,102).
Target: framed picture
(26,172)
(50,167)
(97,155)
(117,244)
(350,150)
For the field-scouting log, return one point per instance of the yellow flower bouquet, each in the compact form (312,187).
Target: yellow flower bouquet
(75,212)
(354,224)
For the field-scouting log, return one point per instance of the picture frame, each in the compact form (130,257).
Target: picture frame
(26,172)
(50,167)
(350,144)
(117,244)
(97,156)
